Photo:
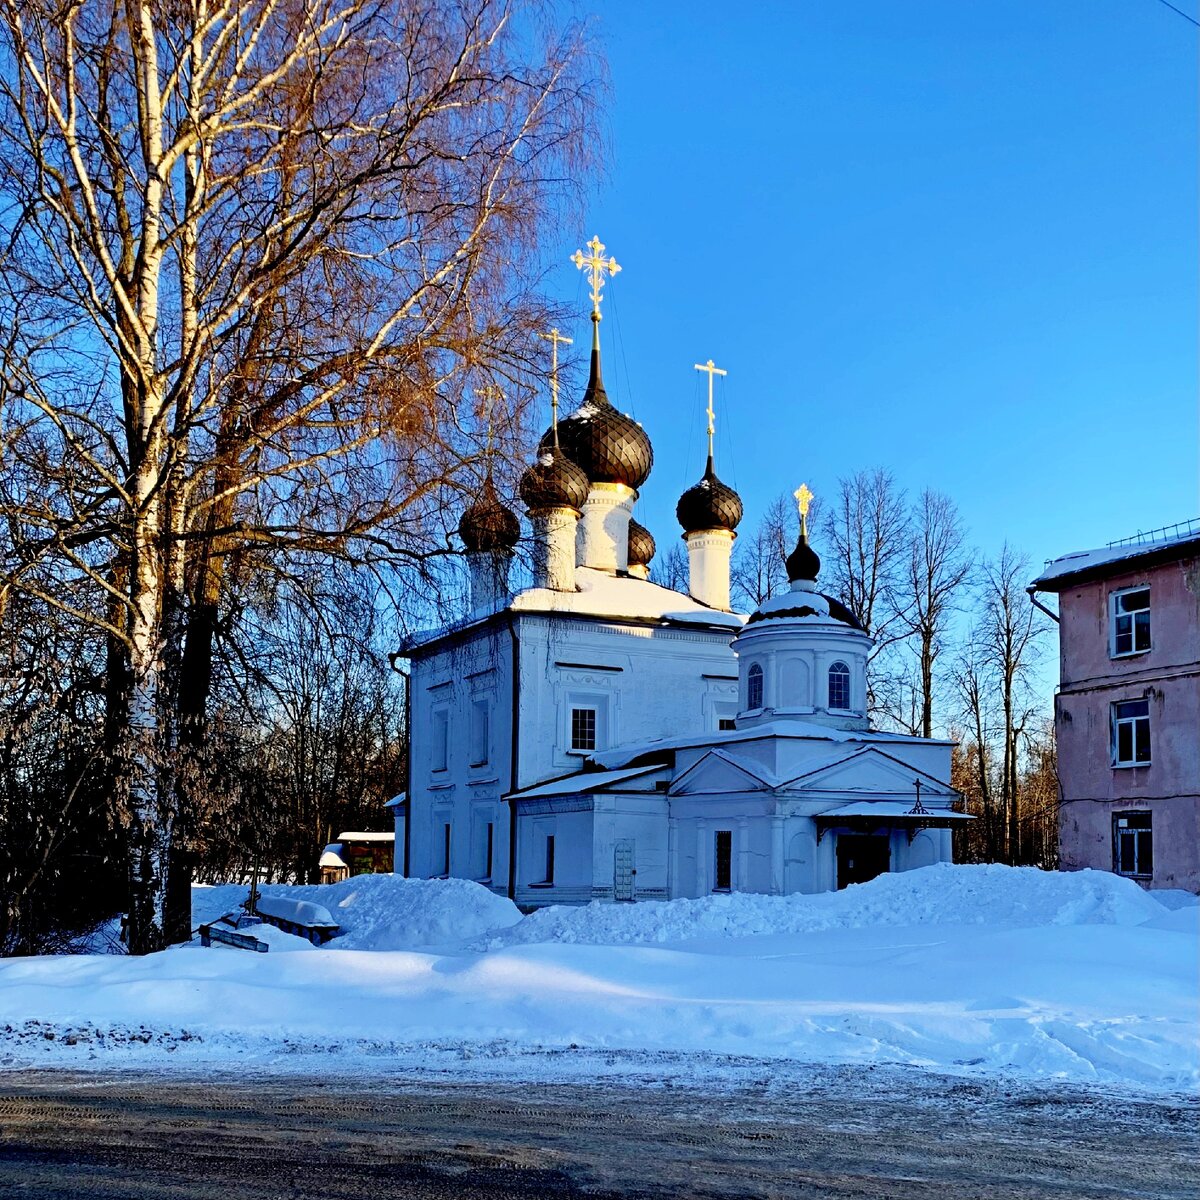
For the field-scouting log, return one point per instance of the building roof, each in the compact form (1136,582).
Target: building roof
(1081,566)
(599,595)
(890,809)
(785,727)
(584,783)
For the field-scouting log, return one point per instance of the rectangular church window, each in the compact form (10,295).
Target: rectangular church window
(583,729)
(440,751)
(446,849)
(480,732)
(549,858)
(723,848)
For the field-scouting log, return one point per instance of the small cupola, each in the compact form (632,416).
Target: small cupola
(490,532)
(709,504)
(803,655)
(489,525)
(709,512)
(553,481)
(641,550)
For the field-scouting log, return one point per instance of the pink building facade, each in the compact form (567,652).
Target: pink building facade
(1127,712)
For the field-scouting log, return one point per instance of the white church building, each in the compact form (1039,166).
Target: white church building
(599,737)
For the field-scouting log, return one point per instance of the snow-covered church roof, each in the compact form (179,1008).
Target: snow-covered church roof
(601,594)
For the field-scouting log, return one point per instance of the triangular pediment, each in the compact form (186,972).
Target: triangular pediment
(719,771)
(868,769)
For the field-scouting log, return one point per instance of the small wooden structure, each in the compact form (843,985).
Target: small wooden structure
(357,853)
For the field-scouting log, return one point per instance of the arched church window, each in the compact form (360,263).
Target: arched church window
(839,686)
(754,686)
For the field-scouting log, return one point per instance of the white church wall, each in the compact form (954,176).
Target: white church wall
(572,876)
(644,681)
(641,823)
(461,755)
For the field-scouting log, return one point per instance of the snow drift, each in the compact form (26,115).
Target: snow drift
(993,895)
(1016,973)
(380,912)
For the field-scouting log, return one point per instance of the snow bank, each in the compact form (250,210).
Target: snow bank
(992,895)
(972,970)
(381,912)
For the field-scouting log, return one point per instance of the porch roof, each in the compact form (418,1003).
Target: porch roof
(584,782)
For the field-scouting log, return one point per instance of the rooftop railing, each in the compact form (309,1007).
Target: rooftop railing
(1181,529)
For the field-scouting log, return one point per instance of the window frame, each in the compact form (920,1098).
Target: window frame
(1118,721)
(548,880)
(439,752)
(756,679)
(579,710)
(1115,616)
(842,670)
(1133,828)
(481,731)
(446,844)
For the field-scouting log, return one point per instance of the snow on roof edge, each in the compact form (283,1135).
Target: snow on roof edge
(1078,562)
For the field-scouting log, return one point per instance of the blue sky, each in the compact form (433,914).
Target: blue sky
(957,240)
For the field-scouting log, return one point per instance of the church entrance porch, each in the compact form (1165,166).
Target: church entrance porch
(861,857)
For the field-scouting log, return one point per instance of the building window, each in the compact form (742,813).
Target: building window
(439,757)
(1133,847)
(723,854)
(583,729)
(491,847)
(724,724)
(549,876)
(480,722)
(1130,622)
(1131,733)
(446,849)
(754,687)
(839,686)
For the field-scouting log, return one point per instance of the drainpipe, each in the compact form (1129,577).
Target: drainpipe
(516,743)
(408,795)
(1031,591)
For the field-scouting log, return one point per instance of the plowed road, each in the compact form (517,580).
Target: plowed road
(825,1133)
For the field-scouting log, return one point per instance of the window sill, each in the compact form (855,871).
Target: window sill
(722,891)
(544,884)
(486,880)
(1131,653)
(582,753)
(1129,766)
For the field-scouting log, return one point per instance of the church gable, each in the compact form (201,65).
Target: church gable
(869,770)
(719,771)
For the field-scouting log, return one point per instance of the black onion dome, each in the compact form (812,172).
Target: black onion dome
(609,446)
(641,545)
(488,524)
(803,562)
(709,504)
(553,481)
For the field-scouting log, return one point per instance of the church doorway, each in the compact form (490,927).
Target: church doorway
(860,857)
(623,869)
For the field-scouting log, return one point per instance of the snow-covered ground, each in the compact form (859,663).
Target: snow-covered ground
(1081,976)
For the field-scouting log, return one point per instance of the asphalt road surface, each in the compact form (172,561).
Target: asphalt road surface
(824,1133)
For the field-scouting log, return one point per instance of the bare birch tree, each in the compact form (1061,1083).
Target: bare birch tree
(258,257)
(758,569)
(1010,637)
(938,565)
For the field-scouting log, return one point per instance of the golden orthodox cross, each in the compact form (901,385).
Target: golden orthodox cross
(595,264)
(804,498)
(554,337)
(712,370)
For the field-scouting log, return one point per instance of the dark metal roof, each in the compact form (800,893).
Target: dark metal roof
(554,481)
(641,545)
(709,504)
(489,524)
